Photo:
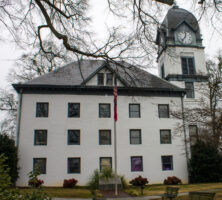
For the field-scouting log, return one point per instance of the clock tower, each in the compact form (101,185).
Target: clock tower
(181,57)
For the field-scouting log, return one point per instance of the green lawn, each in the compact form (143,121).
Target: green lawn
(83,192)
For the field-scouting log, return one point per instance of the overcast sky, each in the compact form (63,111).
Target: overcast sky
(9,52)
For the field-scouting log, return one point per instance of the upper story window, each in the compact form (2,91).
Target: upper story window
(104,137)
(40,137)
(189,89)
(73,137)
(165,137)
(193,133)
(104,110)
(163,110)
(135,136)
(100,79)
(188,65)
(40,165)
(73,109)
(134,110)
(42,109)
(162,71)
(109,79)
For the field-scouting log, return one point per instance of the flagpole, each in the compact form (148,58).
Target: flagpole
(115,138)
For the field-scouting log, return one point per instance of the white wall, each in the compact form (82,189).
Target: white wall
(57,151)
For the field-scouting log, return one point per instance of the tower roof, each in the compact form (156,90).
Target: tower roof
(175,17)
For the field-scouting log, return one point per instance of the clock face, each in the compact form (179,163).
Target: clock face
(184,37)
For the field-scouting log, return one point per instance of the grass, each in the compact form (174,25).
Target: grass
(83,192)
(160,189)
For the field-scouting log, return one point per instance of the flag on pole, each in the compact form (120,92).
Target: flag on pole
(115,102)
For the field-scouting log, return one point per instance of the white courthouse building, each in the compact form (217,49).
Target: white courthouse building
(65,118)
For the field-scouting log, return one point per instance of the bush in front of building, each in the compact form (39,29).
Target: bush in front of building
(139,181)
(69,183)
(172,180)
(33,179)
(205,164)
(8,148)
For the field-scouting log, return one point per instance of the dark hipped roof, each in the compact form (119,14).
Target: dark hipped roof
(71,75)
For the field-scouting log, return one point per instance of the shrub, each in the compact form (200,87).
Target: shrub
(36,183)
(124,182)
(94,181)
(134,193)
(107,173)
(205,164)
(69,183)
(8,148)
(172,180)
(139,181)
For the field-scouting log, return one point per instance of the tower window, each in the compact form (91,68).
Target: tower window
(162,72)
(189,89)
(100,79)
(188,65)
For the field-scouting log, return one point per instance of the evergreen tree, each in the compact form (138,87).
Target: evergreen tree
(205,163)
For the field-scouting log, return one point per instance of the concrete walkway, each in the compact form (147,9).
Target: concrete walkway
(135,198)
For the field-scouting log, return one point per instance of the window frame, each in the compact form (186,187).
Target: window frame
(100,159)
(171,163)
(130,115)
(168,110)
(68,134)
(170,136)
(140,136)
(35,137)
(187,64)
(191,91)
(68,165)
(45,163)
(98,78)
(131,159)
(70,103)
(37,113)
(110,136)
(109,116)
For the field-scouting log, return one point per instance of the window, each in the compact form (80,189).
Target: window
(73,137)
(162,72)
(135,136)
(40,137)
(188,65)
(134,110)
(193,133)
(104,110)
(73,165)
(189,89)
(163,110)
(42,109)
(136,163)
(40,165)
(109,79)
(167,163)
(104,137)
(100,79)
(165,137)
(105,162)
(73,109)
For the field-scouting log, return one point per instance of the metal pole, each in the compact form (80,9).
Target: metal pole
(115,158)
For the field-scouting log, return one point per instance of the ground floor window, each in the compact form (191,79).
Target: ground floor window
(167,163)
(105,162)
(73,165)
(39,164)
(136,163)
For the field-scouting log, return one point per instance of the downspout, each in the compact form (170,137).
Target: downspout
(185,137)
(18,117)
